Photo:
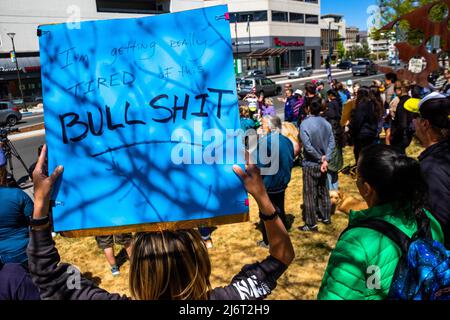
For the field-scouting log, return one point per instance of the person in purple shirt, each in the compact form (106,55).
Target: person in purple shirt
(267,108)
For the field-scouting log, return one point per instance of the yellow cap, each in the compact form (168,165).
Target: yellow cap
(412,105)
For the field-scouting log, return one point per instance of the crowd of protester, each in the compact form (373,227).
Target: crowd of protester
(382,122)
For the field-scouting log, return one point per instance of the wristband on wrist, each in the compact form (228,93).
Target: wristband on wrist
(39,221)
(271,217)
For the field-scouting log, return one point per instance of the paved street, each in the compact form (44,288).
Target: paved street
(300,84)
(27,148)
(30,120)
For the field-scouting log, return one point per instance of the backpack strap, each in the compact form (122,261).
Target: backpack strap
(387,229)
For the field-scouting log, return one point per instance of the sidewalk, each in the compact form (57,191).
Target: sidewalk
(39,109)
(316,77)
(315,72)
(25,135)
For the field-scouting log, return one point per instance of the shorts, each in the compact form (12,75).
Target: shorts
(105,242)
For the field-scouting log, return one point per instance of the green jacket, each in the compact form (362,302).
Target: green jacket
(363,255)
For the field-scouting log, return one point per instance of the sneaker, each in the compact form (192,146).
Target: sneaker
(324,221)
(208,243)
(115,271)
(262,244)
(307,228)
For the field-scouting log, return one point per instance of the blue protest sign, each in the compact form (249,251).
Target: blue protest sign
(142,113)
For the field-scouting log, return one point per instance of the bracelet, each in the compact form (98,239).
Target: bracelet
(271,217)
(39,222)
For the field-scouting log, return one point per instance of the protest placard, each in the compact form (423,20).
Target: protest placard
(143,115)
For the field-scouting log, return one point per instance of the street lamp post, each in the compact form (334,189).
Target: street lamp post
(11,35)
(236,42)
(329,74)
(396,50)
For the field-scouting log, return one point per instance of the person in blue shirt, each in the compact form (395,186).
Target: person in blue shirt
(274,152)
(318,142)
(343,93)
(2,156)
(15,211)
(246,122)
(291,101)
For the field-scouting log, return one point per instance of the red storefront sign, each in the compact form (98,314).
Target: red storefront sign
(281,43)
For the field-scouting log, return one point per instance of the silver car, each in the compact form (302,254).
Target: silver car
(262,85)
(300,72)
(9,113)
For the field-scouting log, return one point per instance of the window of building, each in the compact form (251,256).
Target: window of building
(296,17)
(311,19)
(254,16)
(279,16)
(133,6)
(311,1)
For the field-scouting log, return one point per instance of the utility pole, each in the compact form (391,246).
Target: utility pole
(396,50)
(249,38)
(11,35)
(236,42)
(249,34)
(330,52)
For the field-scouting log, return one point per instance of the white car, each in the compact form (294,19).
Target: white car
(300,72)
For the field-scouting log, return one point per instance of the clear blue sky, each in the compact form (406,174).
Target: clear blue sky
(354,11)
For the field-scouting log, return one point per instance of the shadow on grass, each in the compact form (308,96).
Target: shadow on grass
(90,276)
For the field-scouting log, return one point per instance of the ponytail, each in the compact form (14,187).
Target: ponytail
(407,172)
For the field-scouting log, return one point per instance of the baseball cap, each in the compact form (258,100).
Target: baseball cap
(299,92)
(412,105)
(349,82)
(435,107)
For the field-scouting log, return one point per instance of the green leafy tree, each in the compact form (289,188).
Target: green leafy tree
(393,9)
(340,48)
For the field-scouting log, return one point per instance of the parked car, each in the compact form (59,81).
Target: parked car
(365,67)
(345,65)
(300,72)
(9,113)
(264,85)
(255,73)
(238,81)
(394,62)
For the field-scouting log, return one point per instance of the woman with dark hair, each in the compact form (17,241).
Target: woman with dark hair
(380,111)
(364,123)
(402,130)
(393,187)
(333,115)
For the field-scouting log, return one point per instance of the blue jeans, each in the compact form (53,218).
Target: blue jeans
(333,182)
(205,232)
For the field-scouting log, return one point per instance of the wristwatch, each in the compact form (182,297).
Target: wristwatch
(39,222)
(271,217)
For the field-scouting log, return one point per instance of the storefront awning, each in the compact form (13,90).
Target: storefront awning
(26,65)
(269,52)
